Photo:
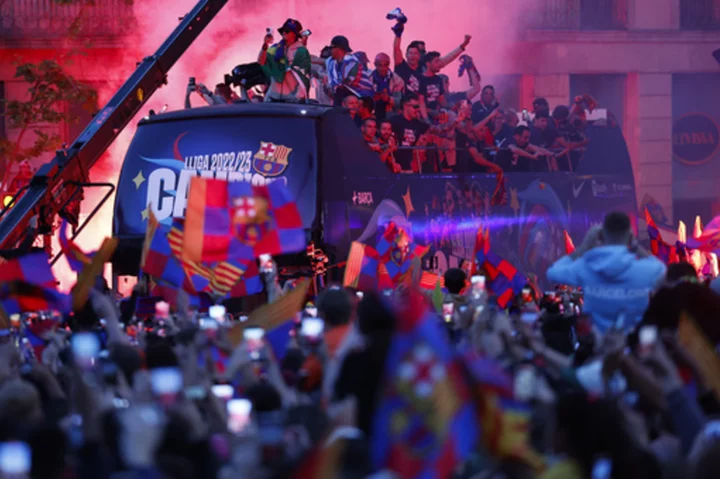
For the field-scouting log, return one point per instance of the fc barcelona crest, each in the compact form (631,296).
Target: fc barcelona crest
(398,255)
(271,159)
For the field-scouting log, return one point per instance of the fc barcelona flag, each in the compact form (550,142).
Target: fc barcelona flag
(240,221)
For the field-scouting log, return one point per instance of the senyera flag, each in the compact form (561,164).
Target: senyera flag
(234,220)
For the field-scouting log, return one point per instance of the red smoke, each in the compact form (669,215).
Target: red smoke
(236,34)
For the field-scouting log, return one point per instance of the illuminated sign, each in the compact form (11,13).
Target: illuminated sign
(695,139)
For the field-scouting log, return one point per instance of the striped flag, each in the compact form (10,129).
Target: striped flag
(361,269)
(158,260)
(221,278)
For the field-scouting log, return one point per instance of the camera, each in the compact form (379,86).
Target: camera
(246,75)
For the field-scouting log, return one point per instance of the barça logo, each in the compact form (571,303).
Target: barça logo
(271,159)
(398,255)
(400,249)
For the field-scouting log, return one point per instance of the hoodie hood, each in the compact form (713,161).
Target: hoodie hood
(609,262)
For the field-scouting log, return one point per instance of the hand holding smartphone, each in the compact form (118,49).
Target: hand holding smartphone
(312,328)
(238,415)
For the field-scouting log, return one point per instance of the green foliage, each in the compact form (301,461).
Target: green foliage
(51,89)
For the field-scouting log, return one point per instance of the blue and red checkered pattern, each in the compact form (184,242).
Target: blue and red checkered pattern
(234,220)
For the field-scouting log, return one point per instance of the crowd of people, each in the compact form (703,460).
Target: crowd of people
(405,108)
(602,365)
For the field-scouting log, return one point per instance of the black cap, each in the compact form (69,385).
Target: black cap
(291,25)
(342,42)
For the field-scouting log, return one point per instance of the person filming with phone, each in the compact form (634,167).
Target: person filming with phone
(615,273)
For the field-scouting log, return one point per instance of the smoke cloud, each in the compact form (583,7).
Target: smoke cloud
(236,34)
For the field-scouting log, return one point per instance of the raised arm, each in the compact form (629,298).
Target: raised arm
(452,56)
(475,85)
(397,50)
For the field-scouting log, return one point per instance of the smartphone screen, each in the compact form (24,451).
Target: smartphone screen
(254,338)
(602,469)
(238,415)
(590,377)
(529,318)
(15,458)
(217,312)
(525,383)
(166,384)
(478,284)
(223,391)
(448,309)
(85,348)
(647,337)
(312,327)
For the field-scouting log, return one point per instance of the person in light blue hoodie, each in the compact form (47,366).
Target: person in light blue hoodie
(616,274)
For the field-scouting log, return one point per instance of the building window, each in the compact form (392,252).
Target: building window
(580,15)
(700,14)
(608,90)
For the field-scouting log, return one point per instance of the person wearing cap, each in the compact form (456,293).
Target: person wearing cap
(346,74)
(287,64)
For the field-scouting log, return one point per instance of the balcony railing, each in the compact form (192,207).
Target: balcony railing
(700,14)
(46,19)
(579,15)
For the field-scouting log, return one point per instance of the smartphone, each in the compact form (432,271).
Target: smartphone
(15,458)
(217,312)
(647,337)
(238,415)
(312,327)
(162,310)
(223,391)
(360,294)
(448,309)
(166,383)
(529,317)
(254,338)
(85,348)
(266,263)
(195,393)
(525,383)
(208,324)
(602,469)
(590,377)
(478,285)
